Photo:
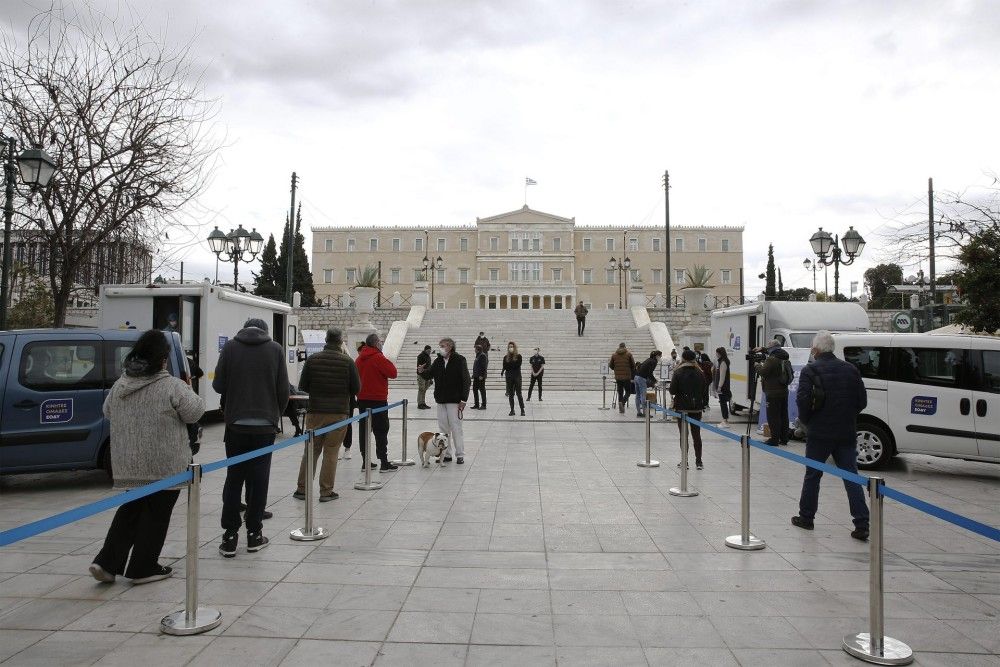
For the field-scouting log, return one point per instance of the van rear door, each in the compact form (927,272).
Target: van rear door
(51,412)
(930,396)
(986,399)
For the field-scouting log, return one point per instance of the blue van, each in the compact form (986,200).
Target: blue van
(52,388)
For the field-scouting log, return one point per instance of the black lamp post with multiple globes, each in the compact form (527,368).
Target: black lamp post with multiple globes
(622,266)
(37,168)
(238,245)
(433,267)
(827,249)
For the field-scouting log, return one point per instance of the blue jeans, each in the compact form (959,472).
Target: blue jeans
(845,457)
(640,394)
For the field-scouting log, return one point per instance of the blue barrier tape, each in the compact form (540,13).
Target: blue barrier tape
(58,520)
(941,513)
(714,429)
(90,509)
(810,463)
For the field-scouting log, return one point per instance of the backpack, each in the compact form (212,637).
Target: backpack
(818,396)
(787,372)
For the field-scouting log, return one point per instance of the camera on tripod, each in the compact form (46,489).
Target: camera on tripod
(756,356)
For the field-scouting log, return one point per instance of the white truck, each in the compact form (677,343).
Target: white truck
(741,328)
(206,316)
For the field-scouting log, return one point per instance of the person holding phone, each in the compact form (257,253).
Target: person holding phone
(451,393)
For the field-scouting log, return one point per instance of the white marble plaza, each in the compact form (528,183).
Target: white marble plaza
(549,546)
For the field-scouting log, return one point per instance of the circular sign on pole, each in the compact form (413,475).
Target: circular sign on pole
(902,322)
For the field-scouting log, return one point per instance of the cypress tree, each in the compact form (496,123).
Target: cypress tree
(301,275)
(264,282)
(769,289)
(781,287)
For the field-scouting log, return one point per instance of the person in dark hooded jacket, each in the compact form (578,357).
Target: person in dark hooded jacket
(775,376)
(687,387)
(252,380)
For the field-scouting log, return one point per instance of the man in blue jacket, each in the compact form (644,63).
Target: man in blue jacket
(831,395)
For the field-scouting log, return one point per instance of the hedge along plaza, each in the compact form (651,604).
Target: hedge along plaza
(872,646)
(194,619)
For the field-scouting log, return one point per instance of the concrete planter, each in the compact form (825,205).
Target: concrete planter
(694,299)
(364,299)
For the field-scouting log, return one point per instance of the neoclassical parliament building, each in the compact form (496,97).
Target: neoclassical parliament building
(527,259)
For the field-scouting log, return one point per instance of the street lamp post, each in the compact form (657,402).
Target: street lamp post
(36,167)
(622,266)
(811,266)
(239,245)
(827,249)
(435,266)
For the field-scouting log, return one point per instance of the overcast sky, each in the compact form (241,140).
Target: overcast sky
(782,116)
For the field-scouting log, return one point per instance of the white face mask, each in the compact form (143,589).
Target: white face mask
(510,349)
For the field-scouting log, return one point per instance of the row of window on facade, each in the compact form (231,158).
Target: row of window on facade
(530,272)
(534,243)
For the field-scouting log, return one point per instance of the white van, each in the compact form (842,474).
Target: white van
(793,323)
(936,394)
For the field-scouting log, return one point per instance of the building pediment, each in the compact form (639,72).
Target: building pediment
(525,215)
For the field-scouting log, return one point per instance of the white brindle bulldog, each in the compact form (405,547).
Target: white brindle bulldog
(431,445)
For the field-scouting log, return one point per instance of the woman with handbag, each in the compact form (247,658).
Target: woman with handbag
(720,384)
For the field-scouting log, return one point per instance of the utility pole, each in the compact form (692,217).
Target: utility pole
(666,201)
(291,243)
(930,237)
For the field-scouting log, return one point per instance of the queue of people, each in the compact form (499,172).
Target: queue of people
(152,443)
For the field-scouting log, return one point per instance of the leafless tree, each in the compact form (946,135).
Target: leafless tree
(957,216)
(129,128)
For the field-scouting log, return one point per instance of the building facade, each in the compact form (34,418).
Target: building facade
(110,262)
(526,259)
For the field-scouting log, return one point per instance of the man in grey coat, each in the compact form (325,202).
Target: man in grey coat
(252,381)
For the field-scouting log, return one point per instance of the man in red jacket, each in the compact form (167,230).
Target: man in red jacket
(375,371)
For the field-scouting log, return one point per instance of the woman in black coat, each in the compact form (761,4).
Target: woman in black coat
(512,372)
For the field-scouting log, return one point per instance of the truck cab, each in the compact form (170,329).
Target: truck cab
(53,383)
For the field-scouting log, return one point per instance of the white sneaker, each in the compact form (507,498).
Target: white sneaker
(347,455)
(725,423)
(102,575)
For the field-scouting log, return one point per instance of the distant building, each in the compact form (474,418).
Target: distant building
(112,262)
(526,259)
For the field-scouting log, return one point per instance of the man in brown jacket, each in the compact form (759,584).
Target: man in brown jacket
(331,379)
(623,364)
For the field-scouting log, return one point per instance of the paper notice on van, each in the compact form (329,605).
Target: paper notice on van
(923,405)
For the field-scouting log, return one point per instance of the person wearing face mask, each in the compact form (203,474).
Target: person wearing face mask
(512,372)
(720,383)
(375,371)
(451,393)
(537,362)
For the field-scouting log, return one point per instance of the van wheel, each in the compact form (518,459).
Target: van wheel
(874,446)
(106,461)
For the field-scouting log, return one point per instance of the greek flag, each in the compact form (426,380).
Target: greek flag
(530,181)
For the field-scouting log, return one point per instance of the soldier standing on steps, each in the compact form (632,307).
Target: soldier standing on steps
(537,362)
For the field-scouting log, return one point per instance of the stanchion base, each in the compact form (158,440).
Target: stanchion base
(302,535)
(205,618)
(683,494)
(648,464)
(894,651)
(403,462)
(603,408)
(753,544)
(374,486)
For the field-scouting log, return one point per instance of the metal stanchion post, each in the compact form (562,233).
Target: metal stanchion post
(369,484)
(745,541)
(665,401)
(310,533)
(604,393)
(191,620)
(648,462)
(683,490)
(873,646)
(404,461)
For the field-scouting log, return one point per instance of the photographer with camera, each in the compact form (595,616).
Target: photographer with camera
(775,371)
